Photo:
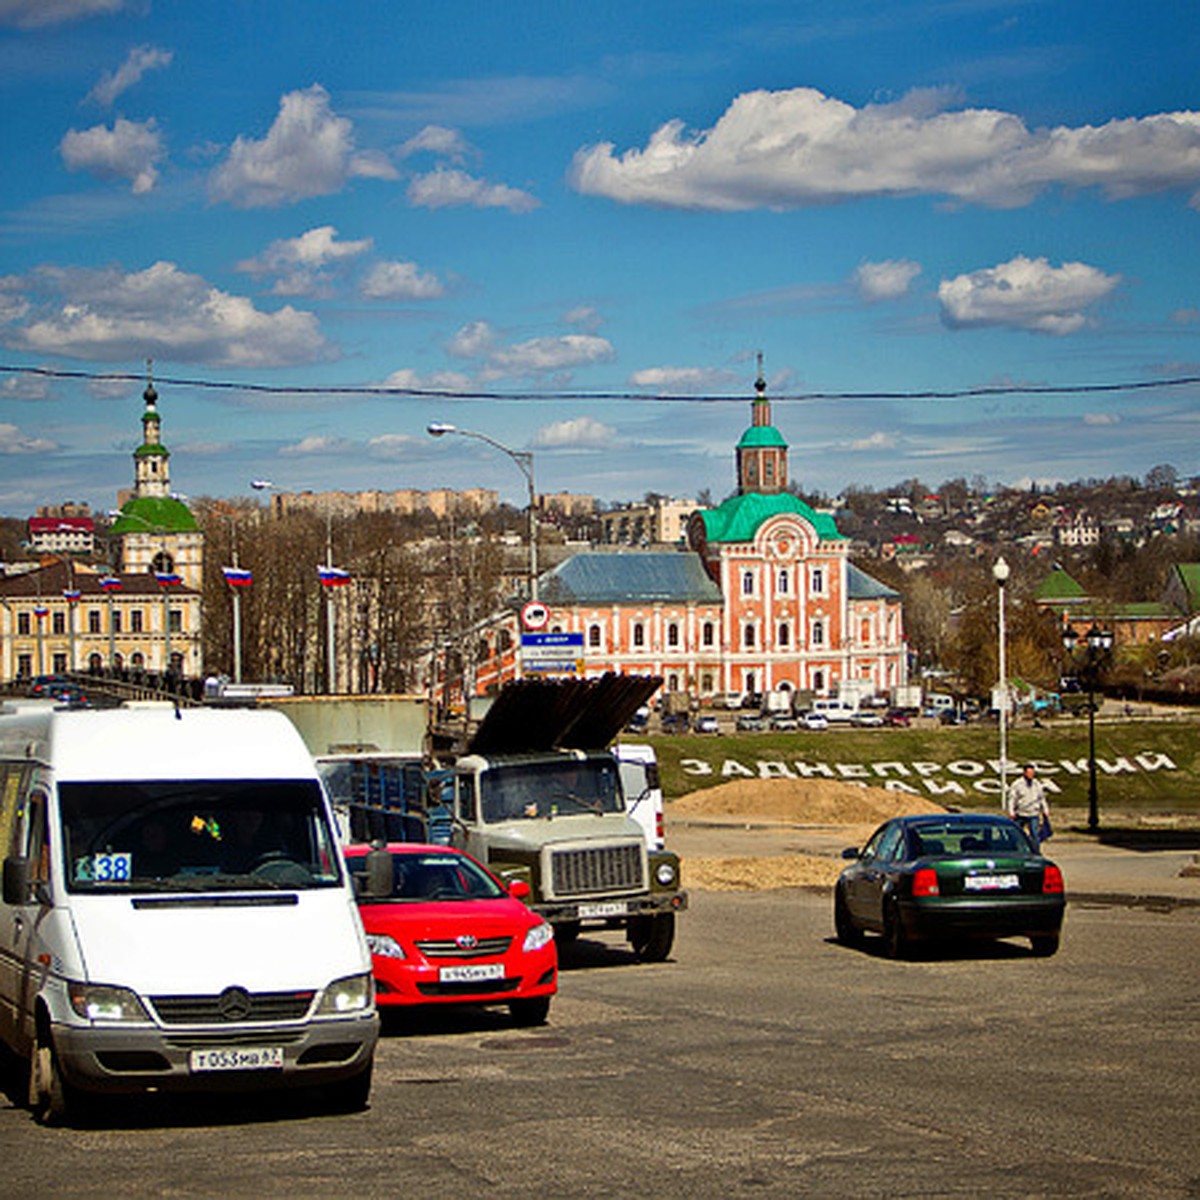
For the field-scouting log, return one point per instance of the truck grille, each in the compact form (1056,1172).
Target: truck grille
(592,871)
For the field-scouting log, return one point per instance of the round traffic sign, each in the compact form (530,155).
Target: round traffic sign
(535,615)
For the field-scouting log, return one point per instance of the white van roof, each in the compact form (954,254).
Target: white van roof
(159,743)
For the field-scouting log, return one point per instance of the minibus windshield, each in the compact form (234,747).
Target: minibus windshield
(196,835)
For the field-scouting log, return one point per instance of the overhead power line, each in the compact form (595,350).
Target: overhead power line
(990,390)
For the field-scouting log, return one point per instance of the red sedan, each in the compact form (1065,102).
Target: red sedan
(452,933)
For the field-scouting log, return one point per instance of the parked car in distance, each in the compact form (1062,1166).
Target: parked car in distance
(898,720)
(751,723)
(640,720)
(784,723)
(814,721)
(674,722)
(706,724)
(867,718)
(947,876)
(452,933)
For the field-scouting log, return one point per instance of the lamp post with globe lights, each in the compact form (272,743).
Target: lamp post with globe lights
(1000,573)
(1096,646)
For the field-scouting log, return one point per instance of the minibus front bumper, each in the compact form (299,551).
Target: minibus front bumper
(104,1058)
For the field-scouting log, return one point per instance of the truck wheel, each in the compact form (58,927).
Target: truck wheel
(652,937)
(566,933)
(531,1011)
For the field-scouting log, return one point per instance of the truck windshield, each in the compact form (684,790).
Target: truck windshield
(539,790)
(196,836)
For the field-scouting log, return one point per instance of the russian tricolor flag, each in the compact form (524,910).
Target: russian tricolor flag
(70,594)
(41,612)
(333,577)
(168,578)
(110,583)
(237,576)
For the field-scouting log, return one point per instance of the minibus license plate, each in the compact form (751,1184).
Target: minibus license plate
(237,1058)
(472,973)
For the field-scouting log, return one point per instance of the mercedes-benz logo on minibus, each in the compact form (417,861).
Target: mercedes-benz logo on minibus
(234,1004)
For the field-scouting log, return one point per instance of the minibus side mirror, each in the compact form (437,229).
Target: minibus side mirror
(379,873)
(16,881)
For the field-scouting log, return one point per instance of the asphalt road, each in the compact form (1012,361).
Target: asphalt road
(764,1060)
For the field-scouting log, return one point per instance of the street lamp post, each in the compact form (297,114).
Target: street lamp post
(524,460)
(1098,644)
(1000,572)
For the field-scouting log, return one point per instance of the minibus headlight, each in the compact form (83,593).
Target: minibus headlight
(100,1002)
(354,994)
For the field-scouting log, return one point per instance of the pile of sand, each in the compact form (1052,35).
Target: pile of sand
(824,803)
(799,802)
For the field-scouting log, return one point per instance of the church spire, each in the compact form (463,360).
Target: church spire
(762,452)
(152,475)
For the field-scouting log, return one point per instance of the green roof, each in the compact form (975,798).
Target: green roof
(1059,587)
(154,514)
(146,449)
(761,435)
(738,519)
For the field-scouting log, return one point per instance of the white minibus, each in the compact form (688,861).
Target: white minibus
(176,912)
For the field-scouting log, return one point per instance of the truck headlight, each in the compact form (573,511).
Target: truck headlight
(539,936)
(384,946)
(353,994)
(101,1002)
(665,873)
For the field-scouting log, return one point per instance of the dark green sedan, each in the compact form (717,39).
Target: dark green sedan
(945,877)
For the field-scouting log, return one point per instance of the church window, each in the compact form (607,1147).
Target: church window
(594,636)
(673,634)
(785,634)
(639,634)
(818,580)
(818,633)
(747,583)
(783,582)
(748,636)
(708,633)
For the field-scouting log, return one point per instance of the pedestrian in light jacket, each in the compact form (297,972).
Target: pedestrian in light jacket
(1026,803)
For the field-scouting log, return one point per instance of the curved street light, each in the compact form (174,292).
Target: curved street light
(524,460)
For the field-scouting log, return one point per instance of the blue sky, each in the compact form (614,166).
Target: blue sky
(542,203)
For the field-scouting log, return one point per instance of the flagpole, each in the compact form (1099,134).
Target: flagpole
(237,616)
(330,624)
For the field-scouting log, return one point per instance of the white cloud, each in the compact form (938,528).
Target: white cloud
(401,281)
(13,441)
(164,313)
(1025,293)
(30,14)
(24,387)
(1101,419)
(437,139)
(473,340)
(799,147)
(315,445)
(407,379)
(580,432)
(299,261)
(392,446)
(308,151)
(584,316)
(445,187)
(129,150)
(539,355)
(683,379)
(137,62)
(887,280)
(874,441)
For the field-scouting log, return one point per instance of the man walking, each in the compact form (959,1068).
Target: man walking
(1026,803)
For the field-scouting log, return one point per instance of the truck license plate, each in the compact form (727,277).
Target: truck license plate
(473,973)
(237,1058)
(610,908)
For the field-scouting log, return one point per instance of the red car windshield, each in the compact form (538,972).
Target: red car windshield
(431,876)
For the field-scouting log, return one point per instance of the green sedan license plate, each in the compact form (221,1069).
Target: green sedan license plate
(991,883)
